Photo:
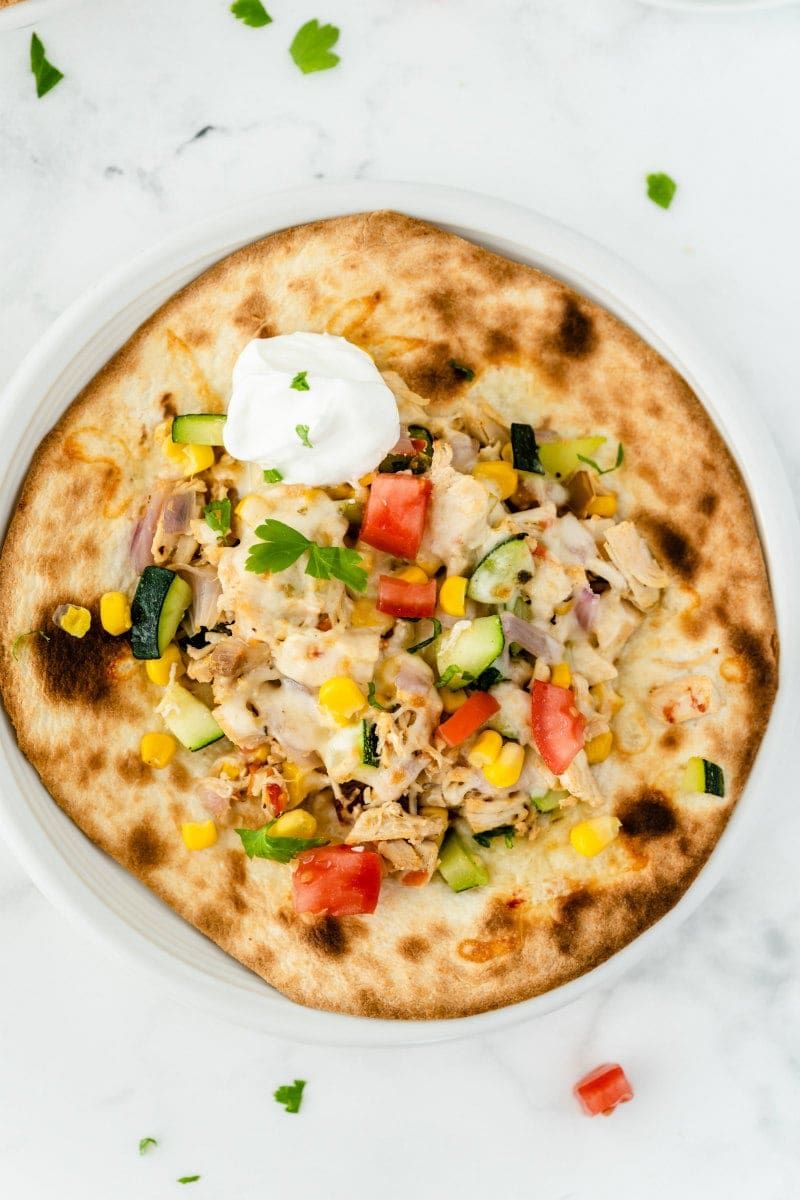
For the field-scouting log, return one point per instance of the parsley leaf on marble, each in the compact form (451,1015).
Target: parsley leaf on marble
(188,1179)
(311,47)
(661,189)
(281,546)
(146,1143)
(291,1095)
(300,383)
(251,12)
(218,516)
(45,74)
(620,456)
(258,843)
(302,433)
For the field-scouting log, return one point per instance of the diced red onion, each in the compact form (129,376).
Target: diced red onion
(586,609)
(465,451)
(206,591)
(213,802)
(404,446)
(178,511)
(533,638)
(141,551)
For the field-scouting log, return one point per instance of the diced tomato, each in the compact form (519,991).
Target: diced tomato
(557,725)
(603,1089)
(277,797)
(402,599)
(338,880)
(469,718)
(415,878)
(395,514)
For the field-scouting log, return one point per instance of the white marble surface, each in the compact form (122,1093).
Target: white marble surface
(562,105)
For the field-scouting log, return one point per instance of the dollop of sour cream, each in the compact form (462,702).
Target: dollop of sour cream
(333,426)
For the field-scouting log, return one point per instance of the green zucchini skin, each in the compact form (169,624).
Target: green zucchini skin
(468,651)
(188,719)
(161,599)
(199,429)
(524,450)
(499,575)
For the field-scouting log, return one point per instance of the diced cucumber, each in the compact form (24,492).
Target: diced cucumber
(549,801)
(467,649)
(460,867)
(161,599)
(704,776)
(370,755)
(498,576)
(191,721)
(524,449)
(199,429)
(514,718)
(561,458)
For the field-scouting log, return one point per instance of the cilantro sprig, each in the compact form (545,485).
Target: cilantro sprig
(437,632)
(272,475)
(387,708)
(291,1095)
(620,456)
(461,369)
(281,545)
(300,383)
(251,12)
(661,189)
(311,47)
(259,843)
(302,433)
(188,1179)
(23,637)
(504,831)
(145,1144)
(217,515)
(45,74)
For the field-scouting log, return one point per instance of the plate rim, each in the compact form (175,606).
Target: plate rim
(591,269)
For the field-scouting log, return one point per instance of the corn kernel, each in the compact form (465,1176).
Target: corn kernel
(367,479)
(603,694)
(190,459)
(294,777)
(561,675)
(157,749)
(453,594)
(602,506)
(230,770)
(412,575)
(76,621)
(561,610)
(501,475)
(592,836)
(252,509)
(452,701)
(159,669)
(260,754)
(439,815)
(506,769)
(486,748)
(198,835)
(342,697)
(115,613)
(599,748)
(429,565)
(296,824)
(507,453)
(364,615)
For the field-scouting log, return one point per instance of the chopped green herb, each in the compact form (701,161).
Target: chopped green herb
(300,383)
(311,47)
(454,671)
(188,1179)
(281,546)
(487,679)
(371,700)
(146,1143)
(15,645)
(291,1095)
(251,12)
(460,369)
(302,433)
(45,74)
(218,516)
(370,754)
(549,801)
(591,463)
(272,475)
(661,189)
(437,632)
(503,831)
(258,843)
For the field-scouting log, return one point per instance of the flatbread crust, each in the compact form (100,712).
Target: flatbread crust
(416,298)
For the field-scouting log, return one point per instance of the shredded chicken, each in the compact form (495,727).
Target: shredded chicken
(683,699)
(630,553)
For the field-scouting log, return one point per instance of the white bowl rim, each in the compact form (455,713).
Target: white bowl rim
(31,12)
(717,6)
(517,232)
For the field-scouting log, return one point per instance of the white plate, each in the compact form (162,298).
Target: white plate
(31,12)
(84,882)
(706,6)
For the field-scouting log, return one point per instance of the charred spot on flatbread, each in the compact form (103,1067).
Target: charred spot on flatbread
(648,815)
(413,947)
(575,337)
(146,848)
(571,914)
(76,671)
(672,545)
(326,935)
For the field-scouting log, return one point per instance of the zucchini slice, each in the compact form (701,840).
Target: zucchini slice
(370,754)
(460,866)
(467,649)
(524,450)
(562,458)
(191,721)
(199,429)
(498,576)
(161,599)
(704,776)
(549,802)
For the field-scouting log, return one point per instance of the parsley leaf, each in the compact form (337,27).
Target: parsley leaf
(188,1179)
(300,383)
(302,433)
(620,456)
(258,843)
(371,700)
(281,546)
(251,12)
(311,48)
(452,671)
(460,369)
(291,1095)
(661,189)
(45,74)
(272,475)
(20,638)
(218,516)
(488,678)
(145,1143)
(504,831)
(437,632)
